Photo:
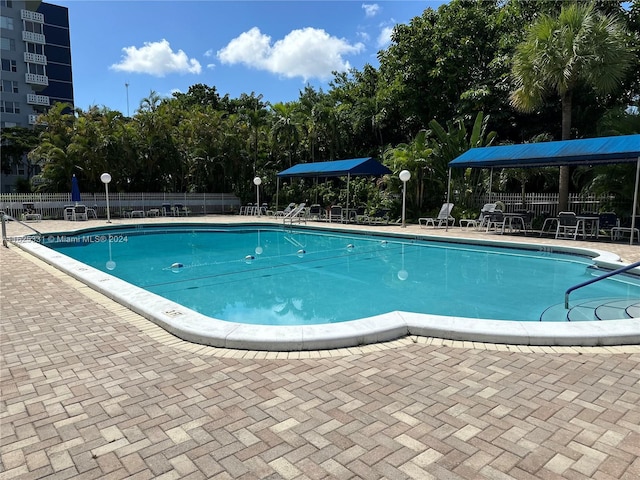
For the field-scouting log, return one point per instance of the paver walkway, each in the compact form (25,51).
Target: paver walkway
(91,390)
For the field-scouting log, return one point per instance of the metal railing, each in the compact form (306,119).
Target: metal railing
(4,217)
(597,279)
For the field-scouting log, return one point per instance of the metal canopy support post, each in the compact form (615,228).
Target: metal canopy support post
(277,192)
(490,183)
(348,178)
(635,202)
(446,228)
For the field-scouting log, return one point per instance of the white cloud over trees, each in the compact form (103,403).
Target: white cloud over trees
(157,59)
(306,53)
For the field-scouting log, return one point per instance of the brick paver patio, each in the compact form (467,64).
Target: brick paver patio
(91,390)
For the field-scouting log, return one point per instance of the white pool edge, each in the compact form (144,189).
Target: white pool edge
(194,327)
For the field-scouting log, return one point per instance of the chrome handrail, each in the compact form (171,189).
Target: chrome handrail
(597,279)
(4,217)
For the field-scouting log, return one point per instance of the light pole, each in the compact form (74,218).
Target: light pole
(405,175)
(257,181)
(106,178)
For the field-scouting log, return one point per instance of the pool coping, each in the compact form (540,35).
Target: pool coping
(194,327)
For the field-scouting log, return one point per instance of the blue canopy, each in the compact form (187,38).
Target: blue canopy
(339,168)
(587,151)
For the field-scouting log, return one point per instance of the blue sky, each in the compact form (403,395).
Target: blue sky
(272,48)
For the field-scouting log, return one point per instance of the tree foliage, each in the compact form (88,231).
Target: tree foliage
(448,64)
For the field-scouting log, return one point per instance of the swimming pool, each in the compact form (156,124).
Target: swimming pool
(301,281)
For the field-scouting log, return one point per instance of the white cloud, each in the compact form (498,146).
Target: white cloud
(208,53)
(384,37)
(364,36)
(157,59)
(371,9)
(306,53)
(211,66)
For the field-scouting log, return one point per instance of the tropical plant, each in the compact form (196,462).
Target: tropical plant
(451,143)
(580,46)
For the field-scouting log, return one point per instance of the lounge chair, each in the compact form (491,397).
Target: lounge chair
(166,210)
(618,232)
(298,214)
(482,219)
(444,217)
(68,212)
(29,213)
(180,209)
(286,211)
(495,221)
(379,217)
(361,214)
(80,213)
(607,221)
(335,213)
(316,212)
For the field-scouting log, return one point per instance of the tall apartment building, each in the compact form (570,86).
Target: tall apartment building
(36,66)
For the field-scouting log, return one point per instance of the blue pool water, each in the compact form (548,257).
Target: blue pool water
(284,277)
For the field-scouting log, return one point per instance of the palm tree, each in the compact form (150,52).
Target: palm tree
(150,103)
(578,47)
(285,131)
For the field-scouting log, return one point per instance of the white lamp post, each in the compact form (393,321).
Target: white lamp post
(405,175)
(106,178)
(257,181)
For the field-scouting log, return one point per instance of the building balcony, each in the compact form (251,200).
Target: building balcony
(37,82)
(38,100)
(32,16)
(33,37)
(33,118)
(35,58)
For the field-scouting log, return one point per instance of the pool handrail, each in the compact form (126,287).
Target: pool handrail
(3,217)
(597,279)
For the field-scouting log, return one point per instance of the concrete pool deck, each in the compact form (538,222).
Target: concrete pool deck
(189,325)
(90,389)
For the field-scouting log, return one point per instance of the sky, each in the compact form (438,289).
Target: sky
(123,50)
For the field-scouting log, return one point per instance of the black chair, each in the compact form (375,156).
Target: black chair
(608,220)
(567,225)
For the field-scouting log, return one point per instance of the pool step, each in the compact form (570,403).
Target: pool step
(597,309)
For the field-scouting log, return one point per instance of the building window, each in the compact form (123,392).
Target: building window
(9,65)
(6,3)
(9,107)
(9,86)
(32,27)
(6,23)
(7,44)
(35,69)
(8,124)
(35,48)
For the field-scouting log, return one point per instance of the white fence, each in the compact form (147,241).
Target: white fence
(51,205)
(546,204)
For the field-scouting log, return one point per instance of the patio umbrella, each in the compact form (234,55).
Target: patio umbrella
(75,189)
